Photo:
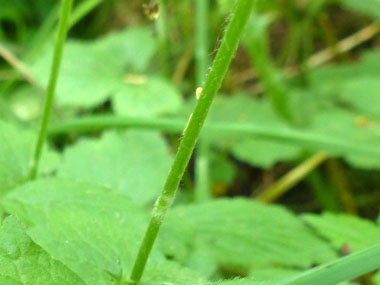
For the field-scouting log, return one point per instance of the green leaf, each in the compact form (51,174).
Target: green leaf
(172,273)
(260,152)
(330,128)
(134,47)
(88,75)
(223,170)
(24,262)
(272,273)
(245,233)
(133,163)
(342,269)
(153,96)
(90,229)
(238,281)
(342,83)
(95,71)
(367,7)
(345,231)
(16,149)
(265,153)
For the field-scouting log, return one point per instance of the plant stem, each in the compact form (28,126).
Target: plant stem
(191,133)
(202,181)
(62,33)
(202,172)
(311,139)
(292,178)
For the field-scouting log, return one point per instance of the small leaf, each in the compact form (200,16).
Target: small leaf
(134,163)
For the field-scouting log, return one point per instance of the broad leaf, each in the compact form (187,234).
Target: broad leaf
(366,7)
(342,83)
(246,233)
(93,231)
(172,273)
(257,151)
(90,229)
(346,233)
(88,75)
(331,129)
(134,163)
(24,262)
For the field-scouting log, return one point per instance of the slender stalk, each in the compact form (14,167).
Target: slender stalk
(191,133)
(202,181)
(62,33)
(292,178)
(202,172)
(311,139)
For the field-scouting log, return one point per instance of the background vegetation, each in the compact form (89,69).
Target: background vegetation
(296,123)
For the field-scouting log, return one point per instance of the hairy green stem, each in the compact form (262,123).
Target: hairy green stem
(191,133)
(58,52)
